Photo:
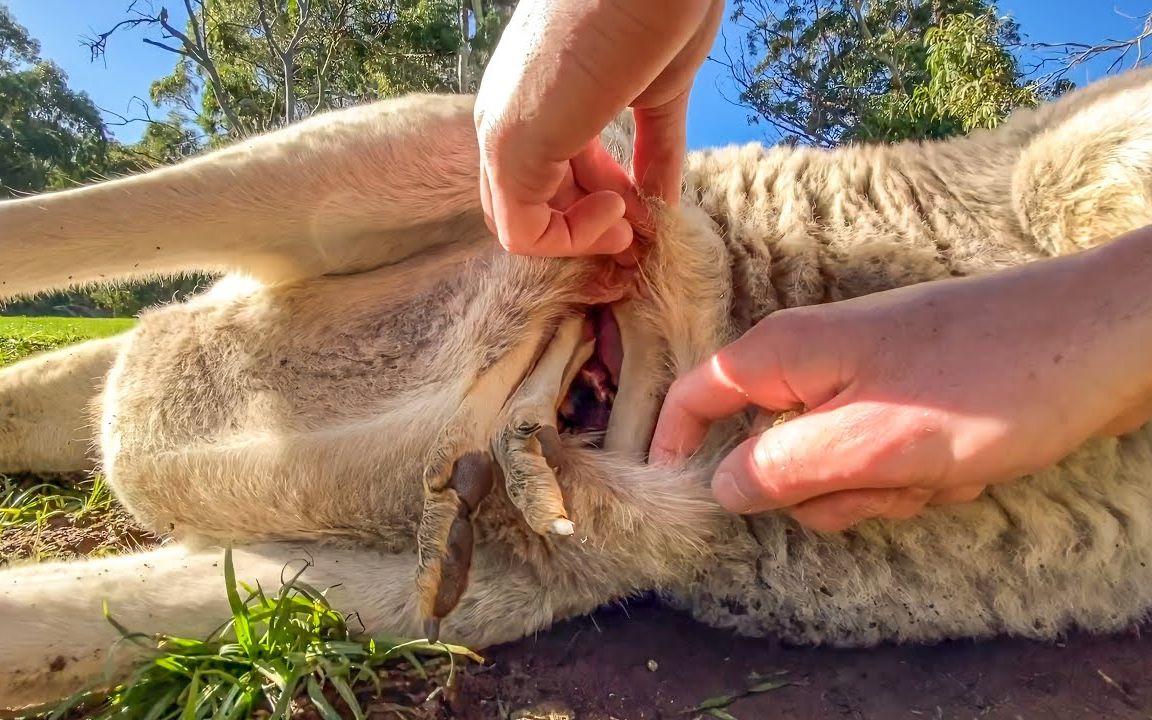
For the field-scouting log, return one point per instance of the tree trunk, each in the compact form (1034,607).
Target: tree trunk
(464,54)
(289,88)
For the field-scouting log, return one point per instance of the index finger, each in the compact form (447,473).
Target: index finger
(746,372)
(696,400)
(592,225)
(595,169)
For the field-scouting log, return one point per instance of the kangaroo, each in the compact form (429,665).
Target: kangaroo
(456,436)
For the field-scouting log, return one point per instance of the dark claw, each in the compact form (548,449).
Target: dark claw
(472,478)
(454,566)
(553,451)
(432,630)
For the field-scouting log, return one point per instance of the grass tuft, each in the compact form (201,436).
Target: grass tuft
(35,505)
(272,654)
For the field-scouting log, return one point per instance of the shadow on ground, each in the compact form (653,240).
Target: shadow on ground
(598,668)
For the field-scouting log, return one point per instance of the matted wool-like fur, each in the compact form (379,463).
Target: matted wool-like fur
(369,333)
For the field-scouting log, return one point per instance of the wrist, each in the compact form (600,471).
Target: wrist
(1112,291)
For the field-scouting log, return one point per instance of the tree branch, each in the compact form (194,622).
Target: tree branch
(123,121)
(269,37)
(99,44)
(870,41)
(1071,55)
(305,10)
(162,46)
(193,49)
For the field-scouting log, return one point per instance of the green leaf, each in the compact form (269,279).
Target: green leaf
(193,691)
(321,702)
(768,686)
(239,612)
(720,701)
(345,691)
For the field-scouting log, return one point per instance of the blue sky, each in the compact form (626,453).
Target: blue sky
(130,65)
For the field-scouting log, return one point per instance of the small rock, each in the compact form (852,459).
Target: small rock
(652,666)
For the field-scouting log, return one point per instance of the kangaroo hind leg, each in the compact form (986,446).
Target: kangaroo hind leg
(48,407)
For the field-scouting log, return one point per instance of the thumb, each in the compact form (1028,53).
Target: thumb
(810,455)
(780,364)
(846,445)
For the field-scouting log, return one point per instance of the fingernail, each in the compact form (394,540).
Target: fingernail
(729,494)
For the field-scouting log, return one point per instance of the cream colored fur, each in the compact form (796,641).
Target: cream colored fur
(372,331)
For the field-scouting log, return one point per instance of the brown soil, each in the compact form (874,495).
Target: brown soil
(104,530)
(598,668)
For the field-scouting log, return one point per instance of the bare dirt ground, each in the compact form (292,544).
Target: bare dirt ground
(638,661)
(597,668)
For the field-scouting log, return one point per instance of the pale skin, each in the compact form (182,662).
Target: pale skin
(562,71)
(927,394)
(922,395)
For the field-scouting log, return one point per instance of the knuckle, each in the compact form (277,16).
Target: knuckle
(811,322)
(777,328)
(683,390)
(851,469)
(898,450)
(675,397)
(851,465)
(770,469)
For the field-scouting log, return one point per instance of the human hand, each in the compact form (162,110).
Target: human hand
(929,393)
(561,73)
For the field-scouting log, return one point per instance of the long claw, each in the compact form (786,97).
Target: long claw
(432,630)
(447,551)
(549,438)
(454,565)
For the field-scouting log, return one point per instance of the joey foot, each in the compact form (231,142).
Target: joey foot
(530,455)
(528,448)
(446,540)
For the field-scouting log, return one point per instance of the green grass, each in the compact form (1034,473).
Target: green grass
(272,652)
(23,336)
(36,505)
